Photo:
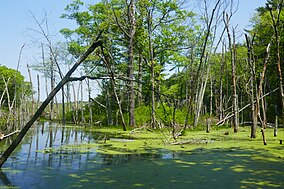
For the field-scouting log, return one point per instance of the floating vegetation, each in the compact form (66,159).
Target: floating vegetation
(115,141)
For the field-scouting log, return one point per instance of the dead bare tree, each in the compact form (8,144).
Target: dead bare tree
(202,63)
(43,30)
(260,91)
(38,90)
(254,106)
(221,82)
(31,83)
(232,49)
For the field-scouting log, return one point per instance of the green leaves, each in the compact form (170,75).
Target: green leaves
(16,85)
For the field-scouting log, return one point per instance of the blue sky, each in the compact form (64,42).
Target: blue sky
(16,19)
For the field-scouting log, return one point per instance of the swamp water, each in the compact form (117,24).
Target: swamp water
(34,165)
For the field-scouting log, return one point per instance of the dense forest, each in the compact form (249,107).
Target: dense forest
(158,64)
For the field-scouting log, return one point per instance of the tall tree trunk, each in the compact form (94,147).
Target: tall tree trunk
(89,103)
(252,78)
(191,91)
(209,121)
(140,70)
(82,103)
(260,87)
(68,96)
(131,15)
(108,106)
(221,84)
(235,94)
(75,107)
(38,90)
(52,84)
(232,47)
(15,90)
(200,95)
(152,69)
(63,106)
(202,63)
(31,82)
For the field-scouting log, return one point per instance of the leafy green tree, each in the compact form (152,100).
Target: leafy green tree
(262,28)
(160,28)
(12,87)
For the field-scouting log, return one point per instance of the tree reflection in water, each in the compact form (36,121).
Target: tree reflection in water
(33,166)
(30,155)
(4,179)
(32,163)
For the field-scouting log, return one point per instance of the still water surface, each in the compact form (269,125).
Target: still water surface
(30,167)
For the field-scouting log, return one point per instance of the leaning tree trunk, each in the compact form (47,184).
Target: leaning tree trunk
(25,129)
